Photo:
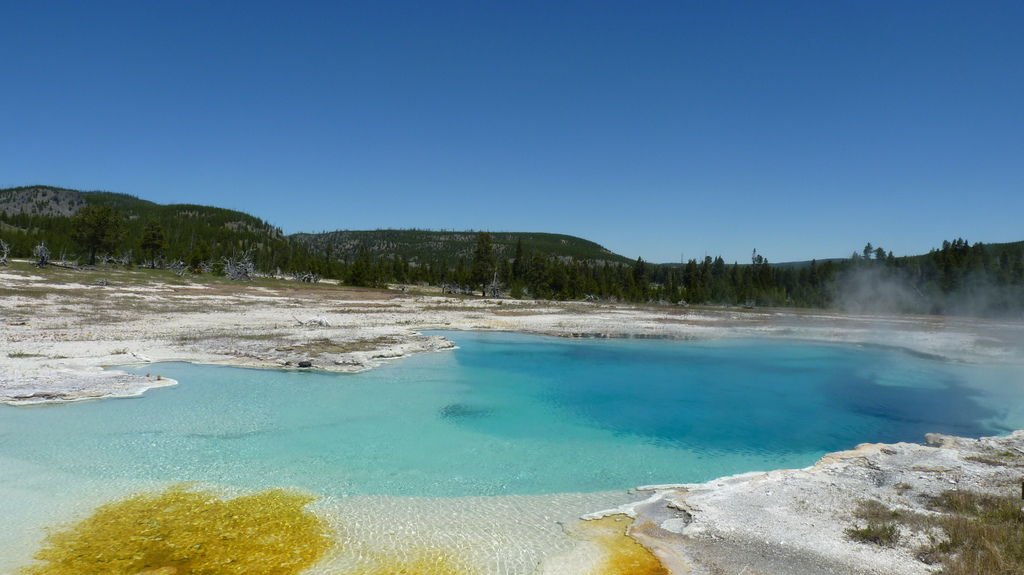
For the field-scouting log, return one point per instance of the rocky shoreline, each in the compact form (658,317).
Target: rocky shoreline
(795,521)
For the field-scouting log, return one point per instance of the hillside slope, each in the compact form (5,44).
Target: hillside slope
(48,201)
(40,201)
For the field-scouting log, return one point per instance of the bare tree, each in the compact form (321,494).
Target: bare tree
(125,259)
(179,268)
(5,251)
(42,254)
(64,261)
(306,277)
(155,263)
(242,268)
(494,288)
(314,322)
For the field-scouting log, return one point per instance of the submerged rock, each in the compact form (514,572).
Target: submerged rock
(463,411)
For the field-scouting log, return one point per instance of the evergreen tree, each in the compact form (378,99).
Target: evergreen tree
(97,228)
(200,255)
(482,270)
(361,270)
(153,241)
(518,262)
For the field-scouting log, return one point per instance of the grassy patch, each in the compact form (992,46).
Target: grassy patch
(33,292)
(20,354)
(985,534)
(258,336)
(879,525)
(998,459)
(971,533)
(885,534)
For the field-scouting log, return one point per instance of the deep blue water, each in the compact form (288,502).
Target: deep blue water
(510,414)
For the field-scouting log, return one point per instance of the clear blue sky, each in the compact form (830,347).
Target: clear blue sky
(803,129)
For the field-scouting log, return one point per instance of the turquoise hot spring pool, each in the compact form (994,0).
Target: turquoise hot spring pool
(509,414)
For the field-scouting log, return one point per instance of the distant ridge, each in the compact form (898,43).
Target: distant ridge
(55,202)
(450,246)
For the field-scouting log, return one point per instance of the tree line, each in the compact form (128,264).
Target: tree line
(958,278)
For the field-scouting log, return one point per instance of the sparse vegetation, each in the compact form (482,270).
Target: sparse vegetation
(884,534)
(879,527)
(971,533)
(1000,459)
(22,354)
(319,347)
(984,534)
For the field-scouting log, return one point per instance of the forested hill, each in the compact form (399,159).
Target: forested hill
(31,214)
(48,201)
(448,247)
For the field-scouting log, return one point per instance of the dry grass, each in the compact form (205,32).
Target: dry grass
(999,459)
(972,533)
(879,527)
(22,354)
(902,488)
(324,346)
(984,534)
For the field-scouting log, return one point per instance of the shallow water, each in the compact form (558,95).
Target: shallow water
(504,415)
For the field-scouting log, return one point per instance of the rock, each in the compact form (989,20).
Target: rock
(305,364)
(940,440)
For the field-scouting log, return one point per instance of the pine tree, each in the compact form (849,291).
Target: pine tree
(153,242)
(97,228)
(482,270)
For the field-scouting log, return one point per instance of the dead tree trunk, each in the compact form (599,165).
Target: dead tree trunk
(42,255)
(179,268)
(306,277)
(494,288)
(5,250)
